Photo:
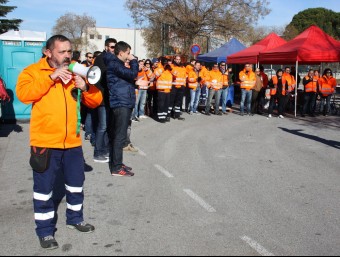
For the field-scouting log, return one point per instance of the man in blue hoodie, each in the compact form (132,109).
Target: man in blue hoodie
(121,84)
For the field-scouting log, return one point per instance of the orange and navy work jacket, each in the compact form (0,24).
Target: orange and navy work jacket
(180,76)
(327,86)
(54,110)
(248,81)
(164,82)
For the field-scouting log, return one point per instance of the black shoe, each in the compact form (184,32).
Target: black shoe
(207,113)
(303,116)
(180,118)
(48,243)
(82,227)
(242,114)
(168,119)
(219,114)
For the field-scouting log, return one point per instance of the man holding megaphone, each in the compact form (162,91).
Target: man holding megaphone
(55,144)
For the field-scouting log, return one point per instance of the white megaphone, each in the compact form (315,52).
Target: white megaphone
(91,74)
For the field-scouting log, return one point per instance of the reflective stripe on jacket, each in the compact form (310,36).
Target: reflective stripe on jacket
(275,80)
(327,86)
(312,86)
(247,80)
(164,82)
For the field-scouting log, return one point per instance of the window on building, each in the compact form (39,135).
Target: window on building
(100,37)
(91,36)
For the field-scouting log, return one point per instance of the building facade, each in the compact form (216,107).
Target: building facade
(96,40)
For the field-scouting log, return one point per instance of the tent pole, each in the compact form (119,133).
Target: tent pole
(296,86)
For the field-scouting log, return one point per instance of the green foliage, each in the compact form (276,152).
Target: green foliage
(327,20)
(5,24)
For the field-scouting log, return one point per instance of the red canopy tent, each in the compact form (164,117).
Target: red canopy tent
(251,54)
(312,46)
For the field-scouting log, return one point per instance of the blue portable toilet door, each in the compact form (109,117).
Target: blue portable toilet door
(17,110)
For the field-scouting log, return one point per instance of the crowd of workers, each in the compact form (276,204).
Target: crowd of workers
(128,90)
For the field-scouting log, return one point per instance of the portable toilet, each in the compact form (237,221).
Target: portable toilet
(18,49)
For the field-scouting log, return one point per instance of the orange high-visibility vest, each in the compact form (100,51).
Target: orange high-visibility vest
(311,87)
(275,79)
(291,82)
(327,86)
(142,75)
(180,76)
(216,80)
(193,77)
(164,82)
(248,81)
(225,80)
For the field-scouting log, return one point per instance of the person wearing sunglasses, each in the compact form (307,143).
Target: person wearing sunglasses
(89,59)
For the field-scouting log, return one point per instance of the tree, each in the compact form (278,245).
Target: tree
(76,28)
(5,24)
(327,20)
(188,20)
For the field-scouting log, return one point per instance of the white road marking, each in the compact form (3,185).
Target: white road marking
(199,200)
(140,152)
(164,171)
(257,247)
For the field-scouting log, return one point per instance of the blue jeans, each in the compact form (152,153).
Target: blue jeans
(217,95)
(224,97)
(140,104)
(325,104)
(195,97)
(246,96)
(101,147)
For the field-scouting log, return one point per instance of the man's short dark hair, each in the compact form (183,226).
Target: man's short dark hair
(51,41)
(109,41)
(87,54)
(122,47)
(76,56)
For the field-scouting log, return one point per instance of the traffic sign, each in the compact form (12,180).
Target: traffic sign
(195,49)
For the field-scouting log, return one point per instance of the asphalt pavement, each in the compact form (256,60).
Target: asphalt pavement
(219,185)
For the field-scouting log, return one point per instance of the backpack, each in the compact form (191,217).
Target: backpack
(4,97)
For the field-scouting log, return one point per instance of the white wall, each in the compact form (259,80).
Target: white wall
(132,37)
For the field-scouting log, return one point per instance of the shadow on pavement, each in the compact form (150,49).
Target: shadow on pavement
(298,132)
(7,129)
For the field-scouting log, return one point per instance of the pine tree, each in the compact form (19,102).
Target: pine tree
(6,24)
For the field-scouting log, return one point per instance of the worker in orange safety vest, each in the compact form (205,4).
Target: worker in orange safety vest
(215,84)
(310,83)
(327,86)
(248,80)
(176,97)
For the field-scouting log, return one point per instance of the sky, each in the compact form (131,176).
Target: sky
(41,15)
